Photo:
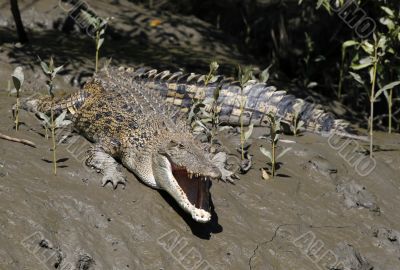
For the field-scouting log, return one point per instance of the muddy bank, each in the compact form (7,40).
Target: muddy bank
(319,213)
(319,200)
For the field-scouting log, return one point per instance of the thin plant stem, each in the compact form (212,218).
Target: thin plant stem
(97,48)
(341,78)
(390,109)
(17,112)
(372,99)
(241,123)
(273,158)
(213,120)
(53,127)
(53,138)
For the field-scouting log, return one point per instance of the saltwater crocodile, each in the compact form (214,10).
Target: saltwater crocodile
(130,123)
(126,113)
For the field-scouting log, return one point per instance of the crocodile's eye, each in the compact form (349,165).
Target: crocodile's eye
(176,144)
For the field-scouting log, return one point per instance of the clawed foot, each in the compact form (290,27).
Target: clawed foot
(115,177)
(219,161)
(107,165)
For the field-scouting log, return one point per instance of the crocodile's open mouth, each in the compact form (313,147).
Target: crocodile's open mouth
(195,186)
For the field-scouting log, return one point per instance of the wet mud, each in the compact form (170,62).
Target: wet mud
(324,210)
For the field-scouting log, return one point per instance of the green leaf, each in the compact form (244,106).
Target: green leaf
(276,139)
(349,43)
(382,43)
(57,69)
(386,87)
(367,47)
(248,133)
(18,77)
(287,141)
(245,74)
(264,76)
(199,123)
(388,11)
(388,22)
(371,74)
(387,96)
(300,125)
(312,85)
(60,119)
(357,77)
(45,68)
(281,154)
(266,153)
(213,79)
(298,106)
(101,41)
(213,67)
(363,63)
(319,3)
(45,118)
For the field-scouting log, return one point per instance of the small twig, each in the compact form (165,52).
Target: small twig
(23,141)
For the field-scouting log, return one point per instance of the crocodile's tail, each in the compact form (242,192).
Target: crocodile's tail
(71,103)
(182,89)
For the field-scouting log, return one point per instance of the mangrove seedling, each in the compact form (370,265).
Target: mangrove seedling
(51,73)
(214,111)
(275,131)
(389,97)
(208,108)
(297,124)
(99,26)
(375,52)
(18,80)
(59,122)
(244,75)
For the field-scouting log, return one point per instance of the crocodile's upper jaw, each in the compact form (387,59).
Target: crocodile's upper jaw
(189,189)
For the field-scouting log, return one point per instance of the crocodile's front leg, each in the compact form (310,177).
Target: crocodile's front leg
(107,165)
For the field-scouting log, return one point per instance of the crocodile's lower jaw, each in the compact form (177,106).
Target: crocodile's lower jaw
(197,192)
(190,191)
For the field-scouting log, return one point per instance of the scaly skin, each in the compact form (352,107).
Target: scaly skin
(126,114)
(130,123)
(260,99)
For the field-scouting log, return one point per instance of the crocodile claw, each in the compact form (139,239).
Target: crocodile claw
(219,161)
(114,178)
(107,165)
